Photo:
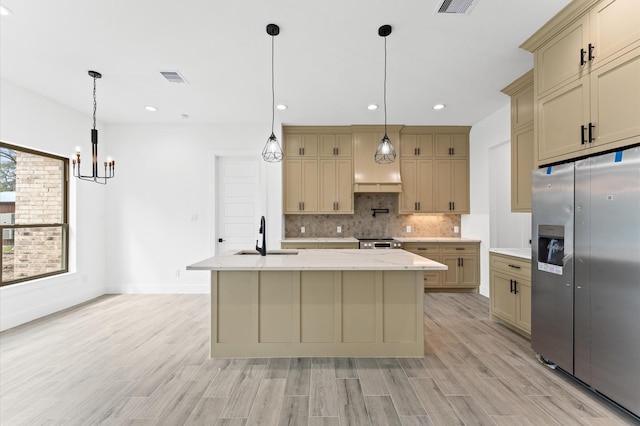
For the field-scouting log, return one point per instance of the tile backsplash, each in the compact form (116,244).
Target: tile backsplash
(362,224)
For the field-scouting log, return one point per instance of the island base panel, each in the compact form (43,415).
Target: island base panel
(316,313)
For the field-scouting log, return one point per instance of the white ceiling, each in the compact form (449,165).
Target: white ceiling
(328,58)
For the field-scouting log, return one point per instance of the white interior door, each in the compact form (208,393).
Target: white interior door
(237,203)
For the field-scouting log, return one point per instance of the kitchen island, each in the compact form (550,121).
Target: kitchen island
(299,303)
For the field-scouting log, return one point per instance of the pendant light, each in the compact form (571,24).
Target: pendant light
(272,153)
(385,153)
(109,165)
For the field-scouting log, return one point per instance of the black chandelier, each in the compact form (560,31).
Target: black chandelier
(272,151)
(385,153)
(109,165)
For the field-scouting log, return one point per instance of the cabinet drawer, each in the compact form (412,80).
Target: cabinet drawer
(423,249)
(338,245)
(513,266)
(455,248)
(301,246)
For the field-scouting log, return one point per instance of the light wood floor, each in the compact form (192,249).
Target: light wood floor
(143,360)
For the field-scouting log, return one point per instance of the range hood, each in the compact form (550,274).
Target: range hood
(370,176)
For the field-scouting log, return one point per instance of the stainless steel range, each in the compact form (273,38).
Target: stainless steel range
(379,243)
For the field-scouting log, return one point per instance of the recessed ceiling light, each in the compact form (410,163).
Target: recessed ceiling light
(439,106)
(372,107)
(151,108)
(282,107)
(4,11)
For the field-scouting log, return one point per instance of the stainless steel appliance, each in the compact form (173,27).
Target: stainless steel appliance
(379,243)
(586,272)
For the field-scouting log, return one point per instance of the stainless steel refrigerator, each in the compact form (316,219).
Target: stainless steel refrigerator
(586,272)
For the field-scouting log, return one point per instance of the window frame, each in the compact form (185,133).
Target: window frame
(65,218)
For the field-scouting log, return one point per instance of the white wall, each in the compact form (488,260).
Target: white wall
(29,120)
(491,220)
(165,179)
(492,130)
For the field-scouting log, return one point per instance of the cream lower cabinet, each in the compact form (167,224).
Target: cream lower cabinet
(305,245)
(510,292)
(301,186)
(462,259)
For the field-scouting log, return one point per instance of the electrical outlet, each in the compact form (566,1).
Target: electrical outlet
(339,229)
(408,230)
(456,229)
(302,230)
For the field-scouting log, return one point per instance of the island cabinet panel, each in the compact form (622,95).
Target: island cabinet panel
(298,313)
(237,301)
(399,313)
(359,307)
(276,293)
(317,307)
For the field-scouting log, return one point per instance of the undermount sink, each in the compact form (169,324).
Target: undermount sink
(269,253)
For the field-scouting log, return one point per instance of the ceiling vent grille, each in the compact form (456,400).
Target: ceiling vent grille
(456,7)
(173,76)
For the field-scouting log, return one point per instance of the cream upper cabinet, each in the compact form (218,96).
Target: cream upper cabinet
(522,153)
(300,145)
(336,145)
(452,145)
(416,145)
(300,180)
(587,73)
(451,186)
(336,186)
(417,186)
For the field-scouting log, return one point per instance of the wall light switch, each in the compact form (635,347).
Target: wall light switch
(302,230)
(339,229)
(408,230)
(456,229)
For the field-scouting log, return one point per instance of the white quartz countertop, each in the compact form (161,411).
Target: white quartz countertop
(435,240)
(523,253)
(320,240)
(319,260)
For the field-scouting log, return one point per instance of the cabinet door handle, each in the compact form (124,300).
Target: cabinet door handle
(514,266)
(459,248)
(515,287)
(415,151)
(299,151)
(449,205)
(418,151)
(303,205)
(453,205)
(591,57)
(583,140)
(421,248)
(418,205)
(510,286)
(582,53)
(462,262)
(591,137)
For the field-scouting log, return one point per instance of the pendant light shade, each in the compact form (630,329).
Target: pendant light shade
(272,151)
(109,165)
(385,153)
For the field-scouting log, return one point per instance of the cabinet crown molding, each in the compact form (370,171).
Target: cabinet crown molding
(522,82)
(571,12)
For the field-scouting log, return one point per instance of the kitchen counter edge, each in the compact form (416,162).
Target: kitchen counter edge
(522,253)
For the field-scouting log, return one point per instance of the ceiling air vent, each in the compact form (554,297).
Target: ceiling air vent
(456,7)
(173,76)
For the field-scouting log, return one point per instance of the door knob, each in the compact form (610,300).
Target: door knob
(220,240)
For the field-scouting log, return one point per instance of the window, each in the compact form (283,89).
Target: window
(33,214)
